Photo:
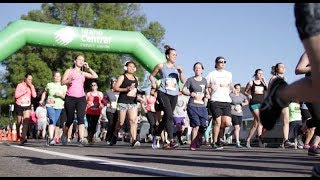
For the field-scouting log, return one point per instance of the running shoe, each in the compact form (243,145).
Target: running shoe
(65,140)
(193,146)
(52,142)
(261,142)
(113,140)
(135,143)
(166,146)
(238,145)
(270,109)
(173,145)
(216,146)
(180,140)
(83,142)
(288,144)
(313,151)
(48,140)
(23,141)
(248,144)
(154,143)
(306,146)
(57,140)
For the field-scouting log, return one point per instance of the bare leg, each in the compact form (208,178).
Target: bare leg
(285,117)
(216,129)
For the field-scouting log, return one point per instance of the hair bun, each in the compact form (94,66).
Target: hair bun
(166,47)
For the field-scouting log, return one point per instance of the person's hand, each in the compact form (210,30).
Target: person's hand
(179,69)
(58,94)
(86,65)
(129,88)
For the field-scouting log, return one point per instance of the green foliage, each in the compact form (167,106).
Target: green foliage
(5,121)
(42,61)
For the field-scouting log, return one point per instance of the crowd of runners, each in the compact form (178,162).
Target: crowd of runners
(207,104)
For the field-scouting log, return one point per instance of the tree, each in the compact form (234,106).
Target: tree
(42,61)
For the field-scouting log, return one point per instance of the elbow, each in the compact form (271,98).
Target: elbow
(298,71)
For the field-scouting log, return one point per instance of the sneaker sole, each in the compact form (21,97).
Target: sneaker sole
(313,154)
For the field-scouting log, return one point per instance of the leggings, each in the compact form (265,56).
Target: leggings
(92,123)
(168,103)
(73,103)
(151,116)
(112,121)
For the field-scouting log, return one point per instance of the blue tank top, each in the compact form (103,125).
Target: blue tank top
(169,80)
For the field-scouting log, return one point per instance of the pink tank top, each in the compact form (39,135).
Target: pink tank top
(150,104)
(75,88)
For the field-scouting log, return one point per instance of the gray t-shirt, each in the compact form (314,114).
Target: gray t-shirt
(112,98)
(199,87)
(236,108)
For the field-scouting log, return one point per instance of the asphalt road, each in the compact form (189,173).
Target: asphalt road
(35,159)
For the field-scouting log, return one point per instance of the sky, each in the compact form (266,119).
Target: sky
(248,35)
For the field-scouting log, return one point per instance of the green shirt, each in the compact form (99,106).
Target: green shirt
(53,100)
(294,112)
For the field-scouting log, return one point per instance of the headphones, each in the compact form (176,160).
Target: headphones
(126,64)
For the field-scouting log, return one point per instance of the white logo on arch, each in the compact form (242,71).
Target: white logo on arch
(65,35)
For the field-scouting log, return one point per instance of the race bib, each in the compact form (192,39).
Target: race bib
(238,108)
(114,104)
(50,101)
(258,90)
(25,101)
(132,93)
(198,99)
(152,108)
(171,84)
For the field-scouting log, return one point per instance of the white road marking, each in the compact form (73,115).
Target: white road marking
(160,172)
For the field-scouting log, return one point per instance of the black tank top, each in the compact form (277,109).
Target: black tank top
(257,98)
(123,96)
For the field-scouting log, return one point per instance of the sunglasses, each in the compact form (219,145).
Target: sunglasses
(222,62)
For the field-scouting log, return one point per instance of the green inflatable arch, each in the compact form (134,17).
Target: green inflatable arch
(22,32)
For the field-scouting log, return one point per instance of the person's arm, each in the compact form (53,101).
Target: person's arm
(65,78)
(186,92)
(43,97)
(101,105)
(231,84)
(264,82)
(181,76)
(153,74)
(245,101)
(20,91)
(91,74)
(33,90)
(117,87)
(247,89)
(303,65)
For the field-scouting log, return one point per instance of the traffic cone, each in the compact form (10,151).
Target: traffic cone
(1,134)
(14,132)
(8,133)
(4,138)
